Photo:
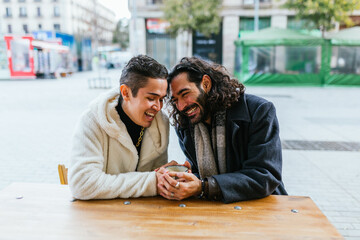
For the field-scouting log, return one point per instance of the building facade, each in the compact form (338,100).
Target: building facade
(82,25)
(85,18)
(237,18)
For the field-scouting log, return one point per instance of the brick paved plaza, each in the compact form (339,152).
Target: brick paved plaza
(320,130)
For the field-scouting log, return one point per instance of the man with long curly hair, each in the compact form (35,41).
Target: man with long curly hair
(231,139)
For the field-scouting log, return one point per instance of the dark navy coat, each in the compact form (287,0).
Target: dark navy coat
(253,151)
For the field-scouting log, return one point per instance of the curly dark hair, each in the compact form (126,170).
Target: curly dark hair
(224,91)
(137,71)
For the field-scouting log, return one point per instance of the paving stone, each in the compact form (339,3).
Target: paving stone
(350,234)
(357,226)
(344,226)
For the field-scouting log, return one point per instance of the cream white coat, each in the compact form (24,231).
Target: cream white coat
(104,158)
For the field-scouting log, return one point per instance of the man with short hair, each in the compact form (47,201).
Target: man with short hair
(123,136)
(231,139)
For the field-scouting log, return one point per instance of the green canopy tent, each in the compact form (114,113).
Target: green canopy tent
(281,57)
(345,57)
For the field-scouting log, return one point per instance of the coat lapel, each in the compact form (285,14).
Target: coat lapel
(237,119)
(156,140)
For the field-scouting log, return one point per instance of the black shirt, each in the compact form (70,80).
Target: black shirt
(132,128)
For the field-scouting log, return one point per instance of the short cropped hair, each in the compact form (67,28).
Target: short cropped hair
(137,71)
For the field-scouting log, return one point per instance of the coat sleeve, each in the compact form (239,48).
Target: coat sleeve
(87,180)
(260,173)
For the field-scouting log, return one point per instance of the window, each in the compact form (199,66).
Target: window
(299,59)
(6,0)
(345,60)
(57,27)
(20,53)
(22,12)
(248,24)
(21,0)
(9,29)
(8,12)
(252,2)
(299,24)
(284,60)
(25,28)
(152,2)
(40,26)
(38,12)
(56,11)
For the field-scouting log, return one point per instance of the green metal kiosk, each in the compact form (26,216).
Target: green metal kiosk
(345,57)
(274,56)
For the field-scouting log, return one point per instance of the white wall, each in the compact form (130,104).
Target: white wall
(279,21)
(230,34)
(138,36)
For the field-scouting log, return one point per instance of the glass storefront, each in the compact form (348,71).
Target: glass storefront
(160,45)
(208,48)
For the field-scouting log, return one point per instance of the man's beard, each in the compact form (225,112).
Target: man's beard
(203,106)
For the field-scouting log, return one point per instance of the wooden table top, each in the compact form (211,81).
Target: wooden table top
(47,211)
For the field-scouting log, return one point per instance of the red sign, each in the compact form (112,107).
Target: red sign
(155,25)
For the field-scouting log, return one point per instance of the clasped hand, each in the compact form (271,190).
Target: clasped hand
(177,185)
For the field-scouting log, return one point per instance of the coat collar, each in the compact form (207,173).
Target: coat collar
(239,111)
(156,136)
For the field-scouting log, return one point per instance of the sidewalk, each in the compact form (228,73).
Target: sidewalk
(39,116)
(330,177)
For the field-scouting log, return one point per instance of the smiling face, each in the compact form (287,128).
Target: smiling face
(189,99)
(143,107)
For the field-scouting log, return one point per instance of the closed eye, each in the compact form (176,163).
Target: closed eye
(184,94)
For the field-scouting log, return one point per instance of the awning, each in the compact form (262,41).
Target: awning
(49,46)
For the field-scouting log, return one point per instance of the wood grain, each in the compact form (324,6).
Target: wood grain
(46,211)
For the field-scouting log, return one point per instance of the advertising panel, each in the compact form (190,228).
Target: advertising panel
(20,56)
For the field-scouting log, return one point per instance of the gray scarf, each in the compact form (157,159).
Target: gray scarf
(207,153)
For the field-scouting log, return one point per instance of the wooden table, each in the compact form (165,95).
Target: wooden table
(46,211)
